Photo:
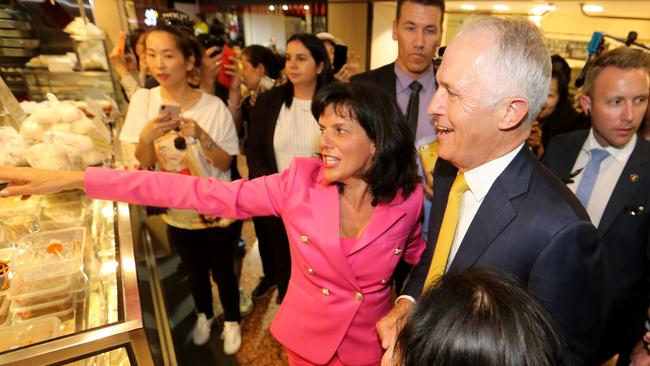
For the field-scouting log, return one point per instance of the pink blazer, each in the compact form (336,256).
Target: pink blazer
(334,299)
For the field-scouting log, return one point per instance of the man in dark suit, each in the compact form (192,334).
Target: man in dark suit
(505,210)
(608,167)
(411,78)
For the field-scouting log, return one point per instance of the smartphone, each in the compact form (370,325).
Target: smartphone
(172,111)
(340,57)
(223,78)
(123,38)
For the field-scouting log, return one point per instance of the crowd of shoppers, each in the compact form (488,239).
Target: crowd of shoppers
(332,161)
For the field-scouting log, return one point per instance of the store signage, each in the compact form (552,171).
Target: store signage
(11,105)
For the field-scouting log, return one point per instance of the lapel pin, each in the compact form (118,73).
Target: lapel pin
(634,177)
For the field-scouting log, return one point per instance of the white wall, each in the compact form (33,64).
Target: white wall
(259,28)
(384,48)
(348,22)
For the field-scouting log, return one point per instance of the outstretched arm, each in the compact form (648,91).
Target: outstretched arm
(28,181)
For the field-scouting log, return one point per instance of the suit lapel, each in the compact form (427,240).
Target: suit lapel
(626,187)
(325,212)
(496,211)
(382,219)
(572,149)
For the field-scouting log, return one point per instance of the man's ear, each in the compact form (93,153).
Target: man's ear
(516,110)
(395,30)
(585,103)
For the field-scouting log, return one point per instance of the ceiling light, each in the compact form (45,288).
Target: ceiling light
(272,7)
(537,19)
(500,7)
(540,10)
(469,7)
(285,7)
(306,7)
(593,8)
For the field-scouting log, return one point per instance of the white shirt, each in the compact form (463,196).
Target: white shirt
(214,118)
(479,180)
(610,170)
(296,133)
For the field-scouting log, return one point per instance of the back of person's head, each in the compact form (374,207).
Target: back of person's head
(393,167)
(257,54)
(478,317)
(622,57)
(440,4)
(519,61)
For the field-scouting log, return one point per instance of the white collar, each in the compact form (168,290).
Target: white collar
(480,179)
(621,155)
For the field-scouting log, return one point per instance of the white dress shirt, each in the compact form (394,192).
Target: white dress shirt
(610,170)
(296,133)
(479,180)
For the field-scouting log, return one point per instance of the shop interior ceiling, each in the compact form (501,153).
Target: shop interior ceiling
(627,8)
(615,8)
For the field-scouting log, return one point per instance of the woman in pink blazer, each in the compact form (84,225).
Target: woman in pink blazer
(350,216)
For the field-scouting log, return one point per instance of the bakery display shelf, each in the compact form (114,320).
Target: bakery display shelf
(72,294)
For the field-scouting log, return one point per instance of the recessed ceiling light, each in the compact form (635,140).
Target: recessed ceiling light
(469,7)
(593,8)
(500,7)
(540,9)
(285,7)
(537,19)
(272,7)
(306,7)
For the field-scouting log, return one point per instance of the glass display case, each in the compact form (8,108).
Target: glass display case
(73,85)
(76,285)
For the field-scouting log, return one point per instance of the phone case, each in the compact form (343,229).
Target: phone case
(223,78)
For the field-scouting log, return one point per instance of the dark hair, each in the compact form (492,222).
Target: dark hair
(257,54)
(560,65)
(479,317)
(394,166)
(440,4)
(319,53)
(176,18)
(563,118)
(134,37)
(185,42)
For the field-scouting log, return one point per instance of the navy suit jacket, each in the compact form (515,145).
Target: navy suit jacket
(531,226)
(624,232)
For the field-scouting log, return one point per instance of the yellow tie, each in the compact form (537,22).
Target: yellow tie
(447,231)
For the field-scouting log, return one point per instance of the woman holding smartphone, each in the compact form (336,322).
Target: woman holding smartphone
(351,215)
(204,126)
(282,127)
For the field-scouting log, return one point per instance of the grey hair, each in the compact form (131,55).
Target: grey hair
(520,60)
